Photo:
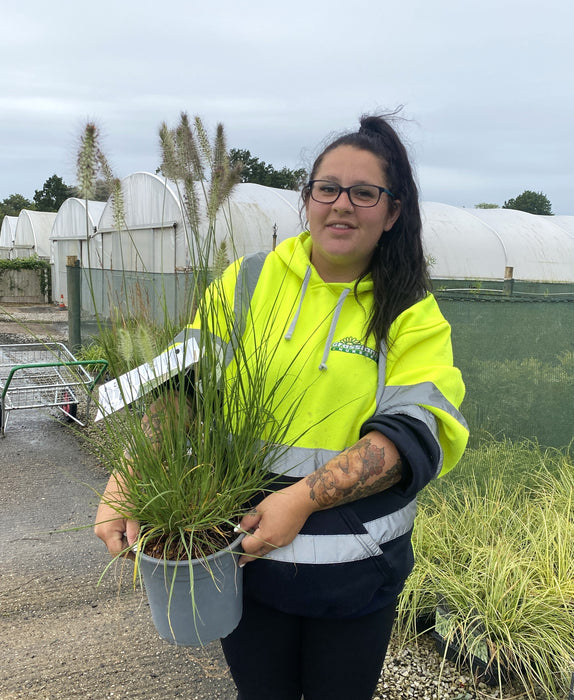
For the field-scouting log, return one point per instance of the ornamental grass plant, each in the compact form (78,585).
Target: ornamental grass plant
(189,470)
(495,549)
(189,477)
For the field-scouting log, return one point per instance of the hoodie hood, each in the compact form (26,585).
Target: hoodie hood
(296,254)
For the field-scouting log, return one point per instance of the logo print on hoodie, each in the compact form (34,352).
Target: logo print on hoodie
(355,347)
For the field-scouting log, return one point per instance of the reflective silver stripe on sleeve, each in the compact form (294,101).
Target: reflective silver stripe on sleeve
(338,549)
(247,278)
(426,417)
(246,281)
(300,461)
(397,399)
(420,413)
(187,333)
(407,400)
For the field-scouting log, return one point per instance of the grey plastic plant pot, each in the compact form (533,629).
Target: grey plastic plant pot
(194,613)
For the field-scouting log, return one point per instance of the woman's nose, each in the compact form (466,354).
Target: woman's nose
(343,202)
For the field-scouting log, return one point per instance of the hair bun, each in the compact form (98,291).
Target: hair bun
(371,125)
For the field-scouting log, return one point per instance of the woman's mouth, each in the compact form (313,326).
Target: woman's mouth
(339,226)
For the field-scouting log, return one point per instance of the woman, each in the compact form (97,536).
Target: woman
(328,552)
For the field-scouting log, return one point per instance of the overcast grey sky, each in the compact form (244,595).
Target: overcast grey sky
(487,87)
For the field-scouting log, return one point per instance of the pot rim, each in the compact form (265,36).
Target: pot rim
(232,547)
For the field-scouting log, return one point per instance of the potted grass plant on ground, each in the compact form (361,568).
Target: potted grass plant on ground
(495,566)
(189,469)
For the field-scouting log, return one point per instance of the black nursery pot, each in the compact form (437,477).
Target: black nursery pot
(481,662)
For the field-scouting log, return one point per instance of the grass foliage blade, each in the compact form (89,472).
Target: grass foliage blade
(495,544)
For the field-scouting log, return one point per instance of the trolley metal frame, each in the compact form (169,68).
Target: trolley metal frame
(40,375)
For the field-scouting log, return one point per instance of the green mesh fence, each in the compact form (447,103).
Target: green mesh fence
(516,354)
(157,296)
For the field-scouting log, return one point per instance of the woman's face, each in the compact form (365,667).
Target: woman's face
(344,236)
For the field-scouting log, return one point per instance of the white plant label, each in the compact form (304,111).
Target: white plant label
(124,390)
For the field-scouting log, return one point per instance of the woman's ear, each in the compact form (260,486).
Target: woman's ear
(393,215)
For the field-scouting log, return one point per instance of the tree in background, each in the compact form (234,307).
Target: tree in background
(531,202)
(102,190)
(13,205)
(255,170)
(486,205)
(53,194)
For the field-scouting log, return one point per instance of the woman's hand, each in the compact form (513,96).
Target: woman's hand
(275,522)
(116,532)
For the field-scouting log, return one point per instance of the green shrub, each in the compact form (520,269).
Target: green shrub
(31,263)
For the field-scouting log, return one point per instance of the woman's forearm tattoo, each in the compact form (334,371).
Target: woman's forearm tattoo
(359,471)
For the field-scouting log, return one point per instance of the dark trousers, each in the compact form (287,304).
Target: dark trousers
(275,656)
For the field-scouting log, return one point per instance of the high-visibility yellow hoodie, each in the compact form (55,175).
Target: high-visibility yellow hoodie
(353,558)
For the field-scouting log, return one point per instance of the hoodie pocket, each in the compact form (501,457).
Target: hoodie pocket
(372,550)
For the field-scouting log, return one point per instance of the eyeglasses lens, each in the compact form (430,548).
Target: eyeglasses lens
(364,195)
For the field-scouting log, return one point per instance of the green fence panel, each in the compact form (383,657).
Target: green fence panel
(516,354)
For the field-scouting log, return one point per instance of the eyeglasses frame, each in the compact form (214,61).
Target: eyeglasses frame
(348,191)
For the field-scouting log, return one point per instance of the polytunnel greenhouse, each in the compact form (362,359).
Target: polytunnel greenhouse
(7,234)
(147,257)
(481,244)
(565,222)
(154,233)
(74,234)
(32,234)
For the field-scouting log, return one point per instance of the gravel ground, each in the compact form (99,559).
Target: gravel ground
(65,637)
(28,324)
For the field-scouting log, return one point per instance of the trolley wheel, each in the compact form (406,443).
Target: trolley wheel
(69,407)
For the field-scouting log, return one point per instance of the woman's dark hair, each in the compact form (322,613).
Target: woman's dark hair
(398,267)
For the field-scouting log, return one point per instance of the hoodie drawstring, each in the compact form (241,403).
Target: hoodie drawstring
(334,320)
(332,328)
(291,329)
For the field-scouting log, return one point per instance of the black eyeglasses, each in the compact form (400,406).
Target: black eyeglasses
(327,192)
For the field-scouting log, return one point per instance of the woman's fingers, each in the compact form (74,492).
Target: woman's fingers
(254,547)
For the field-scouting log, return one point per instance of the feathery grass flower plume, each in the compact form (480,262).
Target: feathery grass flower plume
(187,147)
(170,166)
(221,260)
(118,204)
(200,169)
(91,163)
(203,140)
(87,161)
(223,177)
(115,187)
(181,163)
